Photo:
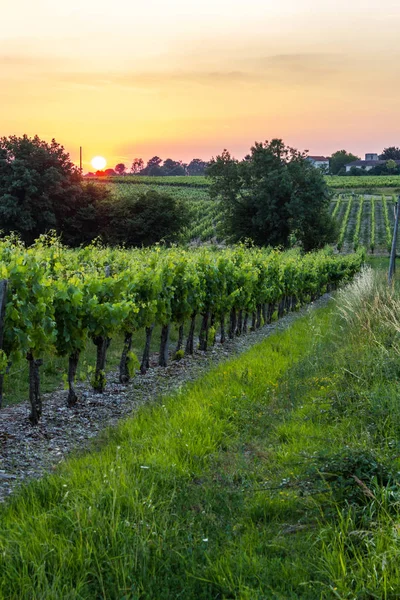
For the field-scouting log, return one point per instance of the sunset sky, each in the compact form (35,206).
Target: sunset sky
(185,79)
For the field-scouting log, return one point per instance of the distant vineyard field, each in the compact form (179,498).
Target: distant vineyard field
(333,181)
(204,212)
(364,220)
(173,181)
(363,182)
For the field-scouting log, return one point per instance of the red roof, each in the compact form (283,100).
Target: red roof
(318,157)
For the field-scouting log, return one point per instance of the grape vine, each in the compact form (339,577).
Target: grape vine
(372,240)
(344,224)
(387,225)
(356,239)
(64,299)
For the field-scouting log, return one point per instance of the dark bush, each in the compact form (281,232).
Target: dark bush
(143,219)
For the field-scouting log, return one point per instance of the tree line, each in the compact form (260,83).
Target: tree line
(156,167)
(274,196)
(41,190)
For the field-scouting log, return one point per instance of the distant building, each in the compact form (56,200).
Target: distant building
(371,161)
(321,162)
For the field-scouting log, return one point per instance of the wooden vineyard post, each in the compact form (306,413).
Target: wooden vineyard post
(392,264)
(3,302)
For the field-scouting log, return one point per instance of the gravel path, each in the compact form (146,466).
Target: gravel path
(28,452)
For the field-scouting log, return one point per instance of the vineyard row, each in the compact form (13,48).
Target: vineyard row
(58,298)
(364,221)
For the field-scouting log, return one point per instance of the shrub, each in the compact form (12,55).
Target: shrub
(142,219)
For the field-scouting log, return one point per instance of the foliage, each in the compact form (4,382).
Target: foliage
(153,167)
(339,159)
(197,167)
(120,168)
(157,168)
(356,238)
(205,213)
(373,225)
(179,354)
(364,179)
(272,194)
(336,206)
(41,190)
(59,298)
(133,364)
(389,169)
(345,221)
(79,221)
(342,472)
(137,165)
(390,153)
(387,225)
(143,219)
(250,472)
(193,181)
(173,168)
(391,165)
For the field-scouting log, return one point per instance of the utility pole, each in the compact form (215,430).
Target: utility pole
(80,159)
(392,264)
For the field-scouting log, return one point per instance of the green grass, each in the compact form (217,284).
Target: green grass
(118,522)
(379,262)
(238,486)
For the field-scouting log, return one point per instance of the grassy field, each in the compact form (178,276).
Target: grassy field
(274,476)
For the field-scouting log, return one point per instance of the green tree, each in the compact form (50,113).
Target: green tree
(309,217)
(173,167)
(153,167)
(79,222)
(391,165)
(390,153)
(197,167)
(339,159)
(271,196)
(41,189)
(143,219)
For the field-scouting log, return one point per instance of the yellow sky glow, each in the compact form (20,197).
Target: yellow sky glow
(186,80)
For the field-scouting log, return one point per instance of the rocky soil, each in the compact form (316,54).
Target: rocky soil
(28,452)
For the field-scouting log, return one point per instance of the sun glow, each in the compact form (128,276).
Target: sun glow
(98,163)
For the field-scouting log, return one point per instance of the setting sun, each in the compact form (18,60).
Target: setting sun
(98,163)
